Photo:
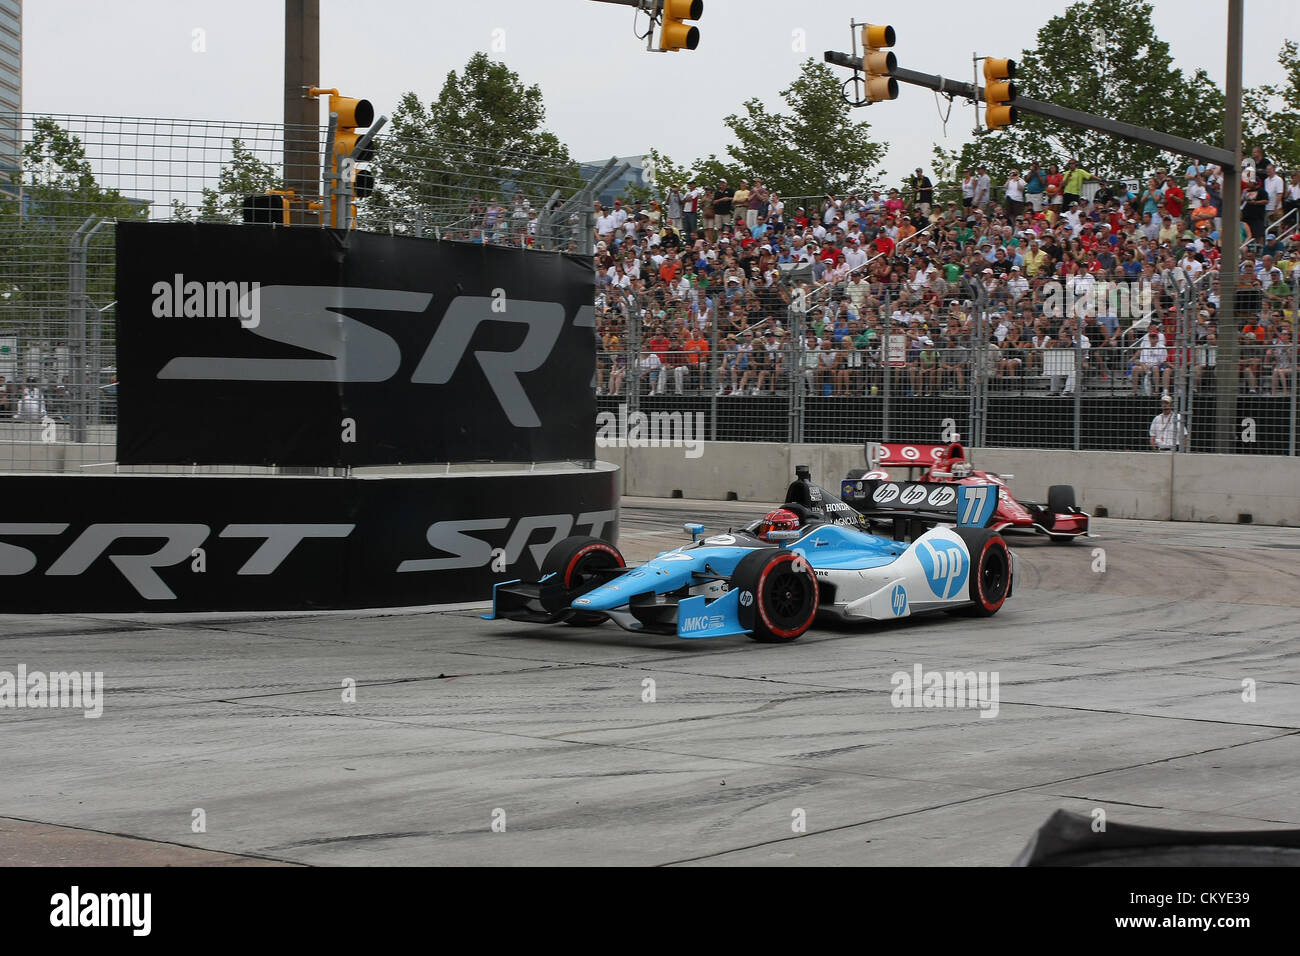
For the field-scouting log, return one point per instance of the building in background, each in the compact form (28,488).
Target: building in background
(633,177)
(11,93)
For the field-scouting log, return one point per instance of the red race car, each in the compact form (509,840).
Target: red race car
(1060,518)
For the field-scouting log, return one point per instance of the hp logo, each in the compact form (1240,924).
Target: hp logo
(898,600)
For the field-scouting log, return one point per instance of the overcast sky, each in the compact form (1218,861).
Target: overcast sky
(605,95)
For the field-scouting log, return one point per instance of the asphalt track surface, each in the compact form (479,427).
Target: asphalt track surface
(1119,690)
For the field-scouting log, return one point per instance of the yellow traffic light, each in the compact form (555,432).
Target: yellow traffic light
(878,63)
(353,115)
(999,93)
(676,33)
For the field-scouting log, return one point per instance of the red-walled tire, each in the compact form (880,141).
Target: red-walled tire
(573,560)
(778,595)
(990,579)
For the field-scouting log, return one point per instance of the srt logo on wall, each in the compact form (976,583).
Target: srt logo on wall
(292,347)
(312,318)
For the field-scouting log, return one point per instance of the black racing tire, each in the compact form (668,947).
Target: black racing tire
(573,560)
(855,473)
(1060,499)
(990,578)
(778,595)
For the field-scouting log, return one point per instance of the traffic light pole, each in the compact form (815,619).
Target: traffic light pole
(1136,134)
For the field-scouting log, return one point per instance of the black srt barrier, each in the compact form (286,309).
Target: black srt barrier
(72,543)
(240,345)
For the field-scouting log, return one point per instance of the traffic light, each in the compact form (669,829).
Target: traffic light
(676,33)
(878,63)
(352,115)
(999,93)
(271,207)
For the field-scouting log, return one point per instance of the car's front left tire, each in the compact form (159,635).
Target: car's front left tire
(778,595)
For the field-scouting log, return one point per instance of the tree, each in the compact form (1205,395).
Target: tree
(1271,113)
(481,139)
(245,175)
(1102,57)
(59,193)
(814,149)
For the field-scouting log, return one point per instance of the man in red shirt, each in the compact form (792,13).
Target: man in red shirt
(1174,198)
(884,244)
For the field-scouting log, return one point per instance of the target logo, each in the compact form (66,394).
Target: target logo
(910,453)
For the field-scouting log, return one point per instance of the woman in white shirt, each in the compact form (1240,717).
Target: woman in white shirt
(1015,195)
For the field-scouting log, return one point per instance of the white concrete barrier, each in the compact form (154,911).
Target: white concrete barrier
(1162,487)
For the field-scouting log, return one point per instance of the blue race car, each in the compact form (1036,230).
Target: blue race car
(892,556)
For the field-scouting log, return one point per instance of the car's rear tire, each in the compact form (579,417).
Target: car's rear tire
(855,473)
(573,561)
(778,595)
(990,578)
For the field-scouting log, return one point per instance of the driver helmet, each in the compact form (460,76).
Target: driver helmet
(961,469)
(782,519)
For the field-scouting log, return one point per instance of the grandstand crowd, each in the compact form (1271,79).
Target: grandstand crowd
(1066,260)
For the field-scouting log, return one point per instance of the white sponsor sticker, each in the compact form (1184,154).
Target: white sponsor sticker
(913,495)
(942,497)
(885,494)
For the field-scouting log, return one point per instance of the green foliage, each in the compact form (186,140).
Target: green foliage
(1271,113)
(482,135)
(245,175)
(813,149)
(1102,57)
(60,193)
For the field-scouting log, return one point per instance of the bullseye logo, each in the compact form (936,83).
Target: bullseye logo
(910,453)
(945,567)
(898,600)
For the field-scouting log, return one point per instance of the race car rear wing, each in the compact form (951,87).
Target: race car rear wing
(927,503)
(883,454)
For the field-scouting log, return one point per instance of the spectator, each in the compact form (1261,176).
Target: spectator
(983,185)
(1273,188)
(922,192)
(1283,360)
(1165,427)
(969,183)
(1015,194)
(1035,187)
(1152,360)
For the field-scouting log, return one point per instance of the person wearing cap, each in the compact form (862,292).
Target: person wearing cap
(1165,427)
(922,192)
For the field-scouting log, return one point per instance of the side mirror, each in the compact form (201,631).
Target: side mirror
(783,535)
(695,530)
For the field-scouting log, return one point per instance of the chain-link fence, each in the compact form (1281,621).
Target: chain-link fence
(80,174)
(1072,362)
